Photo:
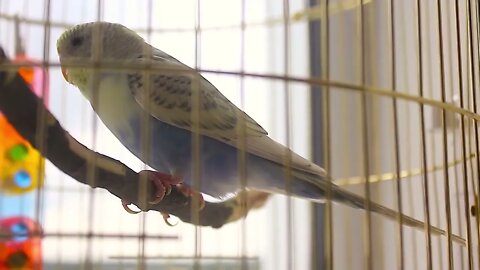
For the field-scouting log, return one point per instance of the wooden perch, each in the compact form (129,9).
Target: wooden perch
(27,113)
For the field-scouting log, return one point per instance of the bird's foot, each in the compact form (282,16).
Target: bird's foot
(189,192)
(163,183)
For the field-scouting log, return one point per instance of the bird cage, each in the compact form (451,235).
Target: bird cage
(381,94)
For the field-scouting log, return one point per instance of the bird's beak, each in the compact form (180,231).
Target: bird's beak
(64,69)
(65,73)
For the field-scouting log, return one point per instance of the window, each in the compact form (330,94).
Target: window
(270,237)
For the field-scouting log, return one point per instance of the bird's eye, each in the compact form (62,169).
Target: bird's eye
(77,41)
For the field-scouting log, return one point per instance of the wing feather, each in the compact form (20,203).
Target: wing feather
(170,96)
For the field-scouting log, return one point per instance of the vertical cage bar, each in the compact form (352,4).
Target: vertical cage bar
(319,132)
(396,140)
(428,236)
(445,139)
(365,142)
(463,137)
(87,263)
(431,138)
(146,138)
(410,114)
(91,174)
(288,156)
(475,110)
(449,46)
(242,147)
(40,138)
(196,138)
(474,105)
(477,202)
(325,69)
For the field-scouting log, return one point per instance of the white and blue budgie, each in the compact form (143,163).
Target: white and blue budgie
(120,95)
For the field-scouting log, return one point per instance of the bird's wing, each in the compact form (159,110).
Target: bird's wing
(170,97)
(172,89)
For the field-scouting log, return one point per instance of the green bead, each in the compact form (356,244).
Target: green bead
(17,152)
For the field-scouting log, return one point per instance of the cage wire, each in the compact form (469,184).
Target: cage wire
(382,94)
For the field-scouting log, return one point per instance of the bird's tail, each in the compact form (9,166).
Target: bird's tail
(316,187)
(319,187)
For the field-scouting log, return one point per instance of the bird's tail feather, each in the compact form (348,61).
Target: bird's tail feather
(323,187)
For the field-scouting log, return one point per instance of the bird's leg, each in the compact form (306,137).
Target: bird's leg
(163,183)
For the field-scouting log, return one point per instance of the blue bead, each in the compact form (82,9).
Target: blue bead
(22,179)
(19,231)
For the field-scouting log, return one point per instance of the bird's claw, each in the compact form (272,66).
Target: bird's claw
(166,217)
(163,183)
(188,192)
(159,195)
(163,186)
(130,211)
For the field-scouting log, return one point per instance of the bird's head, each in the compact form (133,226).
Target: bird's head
(85,45)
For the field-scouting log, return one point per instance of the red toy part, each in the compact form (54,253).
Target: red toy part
(34,75)
(20,244)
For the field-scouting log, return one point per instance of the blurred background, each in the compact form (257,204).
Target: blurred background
(367,89)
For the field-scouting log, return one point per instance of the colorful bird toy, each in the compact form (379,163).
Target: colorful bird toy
(21,166)
(20,244)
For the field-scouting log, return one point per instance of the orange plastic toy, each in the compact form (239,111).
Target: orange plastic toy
(20,244)
(21,166)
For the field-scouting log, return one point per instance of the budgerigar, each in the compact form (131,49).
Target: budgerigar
(120,95)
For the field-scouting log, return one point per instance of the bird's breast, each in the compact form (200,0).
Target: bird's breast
(115,106)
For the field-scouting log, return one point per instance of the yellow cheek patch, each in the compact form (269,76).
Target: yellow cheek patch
(78,77)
